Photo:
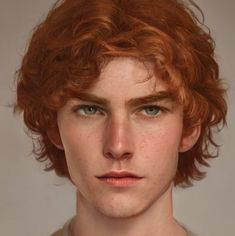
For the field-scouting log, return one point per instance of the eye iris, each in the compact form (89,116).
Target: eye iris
(90,110)
(152,110)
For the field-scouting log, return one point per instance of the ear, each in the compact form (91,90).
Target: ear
(54,136)
(190,138)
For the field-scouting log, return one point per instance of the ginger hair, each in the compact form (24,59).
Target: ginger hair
(79,37)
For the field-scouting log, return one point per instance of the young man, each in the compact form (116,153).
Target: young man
(123,96)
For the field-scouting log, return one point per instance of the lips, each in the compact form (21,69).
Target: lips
(119,174)
(120,179)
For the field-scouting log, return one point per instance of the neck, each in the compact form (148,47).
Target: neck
(157,220)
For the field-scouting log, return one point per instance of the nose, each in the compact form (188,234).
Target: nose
(118,141)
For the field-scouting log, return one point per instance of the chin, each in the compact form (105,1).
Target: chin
(119,213)
(120,209)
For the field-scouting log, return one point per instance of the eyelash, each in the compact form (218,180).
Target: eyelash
(79,108)
(159,109)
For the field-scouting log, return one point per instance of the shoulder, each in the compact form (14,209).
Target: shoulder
(57,233)
(190,233)
(64,231)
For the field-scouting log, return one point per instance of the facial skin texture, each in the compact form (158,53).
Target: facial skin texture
(123,136)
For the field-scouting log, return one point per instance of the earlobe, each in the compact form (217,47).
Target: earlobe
(54,136)
(189,140)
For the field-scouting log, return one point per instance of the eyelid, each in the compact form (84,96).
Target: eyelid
(160,107)
(83,106)
(103,111)
(160,110)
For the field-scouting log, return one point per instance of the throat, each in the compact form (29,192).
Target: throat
(156,219)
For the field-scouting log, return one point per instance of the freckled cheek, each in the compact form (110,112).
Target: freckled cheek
(167,135)
(79,165)
(80,151)
(154,139)
(159,145)
(159,159)
(77,137)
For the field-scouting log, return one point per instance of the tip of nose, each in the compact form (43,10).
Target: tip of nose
(118,142)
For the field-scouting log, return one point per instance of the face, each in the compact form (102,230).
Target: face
(125,123)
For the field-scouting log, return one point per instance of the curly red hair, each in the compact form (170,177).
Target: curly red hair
(69,48)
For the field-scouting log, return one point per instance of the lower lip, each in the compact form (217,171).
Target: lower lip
(121,182)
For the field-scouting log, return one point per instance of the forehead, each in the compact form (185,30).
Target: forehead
(127,77)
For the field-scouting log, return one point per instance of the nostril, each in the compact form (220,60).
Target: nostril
(112,155)
(109,155)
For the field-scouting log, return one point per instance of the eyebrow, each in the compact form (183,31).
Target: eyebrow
(133,102)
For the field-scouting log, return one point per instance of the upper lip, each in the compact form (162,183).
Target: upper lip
(118,174)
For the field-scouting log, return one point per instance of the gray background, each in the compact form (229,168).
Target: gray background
(33,202)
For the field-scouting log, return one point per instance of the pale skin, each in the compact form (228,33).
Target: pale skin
(124,123)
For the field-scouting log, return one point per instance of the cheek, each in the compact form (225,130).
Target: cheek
(160,146)
(161,138)
(79,150)
(77,139)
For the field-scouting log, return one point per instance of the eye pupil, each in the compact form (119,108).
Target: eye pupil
(90,110)
(152,110)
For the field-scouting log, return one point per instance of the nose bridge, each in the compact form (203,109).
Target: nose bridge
(118,142)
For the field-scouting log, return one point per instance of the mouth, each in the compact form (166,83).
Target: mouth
(120,178)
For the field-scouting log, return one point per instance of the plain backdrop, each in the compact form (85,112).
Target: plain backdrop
(35,203)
